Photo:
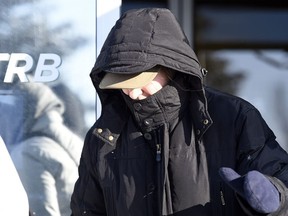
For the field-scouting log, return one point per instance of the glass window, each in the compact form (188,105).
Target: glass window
(241,27)
(245,52)
(52,42)
(47,100)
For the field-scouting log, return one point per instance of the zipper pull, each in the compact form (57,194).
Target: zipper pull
(222,198)
(158,152)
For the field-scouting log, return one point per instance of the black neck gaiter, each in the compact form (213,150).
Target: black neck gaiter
(164,107)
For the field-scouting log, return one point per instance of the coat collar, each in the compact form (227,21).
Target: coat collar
(110,124)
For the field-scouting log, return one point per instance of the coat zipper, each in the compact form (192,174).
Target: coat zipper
(222,198)
(158,159)
(158,152)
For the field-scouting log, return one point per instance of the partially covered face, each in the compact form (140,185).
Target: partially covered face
(151,88)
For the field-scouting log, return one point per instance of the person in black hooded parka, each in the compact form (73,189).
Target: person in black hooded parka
(165,144)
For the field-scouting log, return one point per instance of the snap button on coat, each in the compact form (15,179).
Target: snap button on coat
(206,121)
(147,136)
(137,106)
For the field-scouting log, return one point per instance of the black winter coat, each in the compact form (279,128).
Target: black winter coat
(134,164)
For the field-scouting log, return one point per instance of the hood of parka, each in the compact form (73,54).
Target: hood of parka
(142,39)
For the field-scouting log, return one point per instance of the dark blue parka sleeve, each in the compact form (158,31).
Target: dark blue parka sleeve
(259,150)
(240,138)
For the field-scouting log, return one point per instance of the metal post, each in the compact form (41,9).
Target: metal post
(184,12)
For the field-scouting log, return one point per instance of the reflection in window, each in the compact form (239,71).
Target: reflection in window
(259,76)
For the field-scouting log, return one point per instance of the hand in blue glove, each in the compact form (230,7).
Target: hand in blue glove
(255,188)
